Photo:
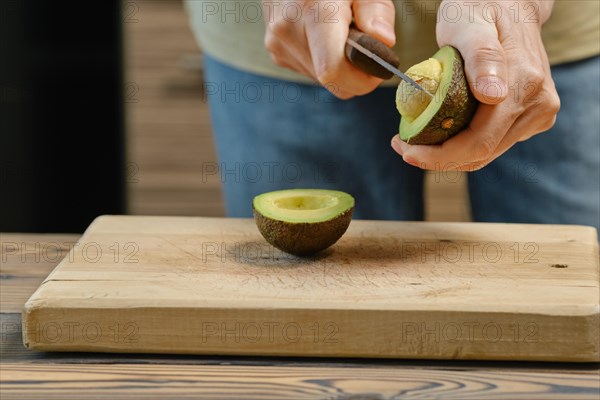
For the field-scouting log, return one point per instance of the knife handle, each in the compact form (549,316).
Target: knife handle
(363,62)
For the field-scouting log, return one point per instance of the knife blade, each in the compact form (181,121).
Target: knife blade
(375,44)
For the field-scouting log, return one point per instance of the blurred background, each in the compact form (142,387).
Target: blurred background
(103,112)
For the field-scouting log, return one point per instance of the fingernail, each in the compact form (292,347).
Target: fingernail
(492,87)
(384,30)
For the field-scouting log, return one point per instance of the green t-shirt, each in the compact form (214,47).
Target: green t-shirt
(233,32)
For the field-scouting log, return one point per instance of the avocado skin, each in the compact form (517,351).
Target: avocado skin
(302,239)
(459,97)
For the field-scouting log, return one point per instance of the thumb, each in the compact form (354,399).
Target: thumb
(485,65)
(376,17)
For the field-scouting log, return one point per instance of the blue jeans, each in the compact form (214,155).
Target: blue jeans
(272,134)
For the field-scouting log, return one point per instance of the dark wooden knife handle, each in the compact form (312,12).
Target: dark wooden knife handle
(363,62)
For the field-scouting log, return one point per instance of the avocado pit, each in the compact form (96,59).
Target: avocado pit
(410,101)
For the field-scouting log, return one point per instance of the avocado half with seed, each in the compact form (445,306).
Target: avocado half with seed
(427,120)
(303,221)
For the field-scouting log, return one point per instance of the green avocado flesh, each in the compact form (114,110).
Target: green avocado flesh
(450,110)
(303,221)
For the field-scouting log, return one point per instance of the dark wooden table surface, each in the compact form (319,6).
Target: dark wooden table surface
(27,259)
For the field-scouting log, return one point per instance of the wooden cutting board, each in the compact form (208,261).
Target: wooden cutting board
(386,289)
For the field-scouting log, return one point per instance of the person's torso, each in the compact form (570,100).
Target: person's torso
(233,31)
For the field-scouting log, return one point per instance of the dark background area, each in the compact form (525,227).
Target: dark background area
(61,114)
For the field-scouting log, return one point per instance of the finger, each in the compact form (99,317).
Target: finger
(485,61)
(341,93)
(524,128)
(281,56)
(300,64)
(326,44)
(377,18)
(476,143)
(288,48)
(293,60)
(535,120)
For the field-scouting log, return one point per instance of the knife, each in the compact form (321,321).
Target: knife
(375,58)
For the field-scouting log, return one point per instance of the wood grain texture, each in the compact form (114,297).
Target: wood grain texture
(551,380)
(13,351)
(236,382)
(387,289)
(26,259)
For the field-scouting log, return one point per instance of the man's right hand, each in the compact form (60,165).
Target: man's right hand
(309,36)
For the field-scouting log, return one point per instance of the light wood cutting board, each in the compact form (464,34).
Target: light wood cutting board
(386,289)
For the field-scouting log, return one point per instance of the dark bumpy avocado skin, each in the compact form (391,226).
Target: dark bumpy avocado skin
(303,239)
(459,104)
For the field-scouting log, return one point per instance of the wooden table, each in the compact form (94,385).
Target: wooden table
(27,259)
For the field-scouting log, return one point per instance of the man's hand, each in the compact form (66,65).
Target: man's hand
(508,71)
(309,36)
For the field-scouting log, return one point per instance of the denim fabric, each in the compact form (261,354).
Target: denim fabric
(555,176)
(272,134)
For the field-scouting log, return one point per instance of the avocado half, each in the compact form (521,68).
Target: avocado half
(303,221)
(451,108)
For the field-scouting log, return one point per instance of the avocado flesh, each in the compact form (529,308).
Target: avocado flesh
(450,110)
(303,221)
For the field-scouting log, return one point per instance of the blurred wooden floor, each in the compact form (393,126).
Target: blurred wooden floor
(168,127)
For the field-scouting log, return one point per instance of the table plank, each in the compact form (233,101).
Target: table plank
(63,375)
(26,259)
(13,351)
(258,382)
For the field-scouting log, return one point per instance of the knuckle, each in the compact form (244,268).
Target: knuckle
(549,123)
(554,104)
(339,92)
(549,110)
(365,90)
(477,166)
(279,27)
(271,43)
(484,149)
(343,95)
(327,74)
(488,53)
(278,61)
(536,78)
(273,46)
